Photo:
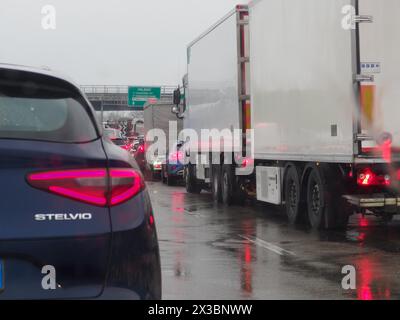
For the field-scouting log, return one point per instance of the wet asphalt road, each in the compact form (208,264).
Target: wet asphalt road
(250,252)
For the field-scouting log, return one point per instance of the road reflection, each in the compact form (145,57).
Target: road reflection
(247,256)
(373,280)
(178,217)
(372,284)
(211,251)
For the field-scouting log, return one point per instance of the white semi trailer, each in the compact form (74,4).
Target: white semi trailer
(319,83)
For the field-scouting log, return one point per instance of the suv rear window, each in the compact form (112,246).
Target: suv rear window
(119,142)
(43,108)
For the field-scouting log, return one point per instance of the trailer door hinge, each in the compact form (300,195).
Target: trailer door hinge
(363,19)
(364,78)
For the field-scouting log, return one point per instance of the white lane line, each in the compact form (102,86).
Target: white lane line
(267,245)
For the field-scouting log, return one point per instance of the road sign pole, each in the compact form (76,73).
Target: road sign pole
(102,113)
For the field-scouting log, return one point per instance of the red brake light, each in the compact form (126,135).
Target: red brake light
(157,166)
(126,183)
(90,185)
(176,157)
(127,147)
(367,178)
(140,149)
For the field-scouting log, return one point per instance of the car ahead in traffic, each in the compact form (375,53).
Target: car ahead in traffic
(139,155)
(76,219)
(155,167)
(122,143)
(112,133)
(172,169)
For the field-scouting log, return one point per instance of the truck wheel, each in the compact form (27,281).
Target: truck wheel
(316,199)
(293,195)
(325,205)
(191,183)
(227,184)
(216,183)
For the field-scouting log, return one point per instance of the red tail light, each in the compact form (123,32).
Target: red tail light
(125,184)
(127,147)
(140,149)
(90,185)
(368,178)
(157,166)
(176,157)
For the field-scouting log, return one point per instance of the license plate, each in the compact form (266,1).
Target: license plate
(1,275)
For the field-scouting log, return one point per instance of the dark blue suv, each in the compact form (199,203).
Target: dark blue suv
(76,220)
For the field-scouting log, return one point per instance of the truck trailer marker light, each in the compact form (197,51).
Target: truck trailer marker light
(367,96)
(247,162)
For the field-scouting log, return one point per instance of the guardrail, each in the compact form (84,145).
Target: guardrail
(120,89)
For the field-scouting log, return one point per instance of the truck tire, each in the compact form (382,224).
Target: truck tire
(292,195)
(227,184)
(325,205)
(192,186)
(216,183)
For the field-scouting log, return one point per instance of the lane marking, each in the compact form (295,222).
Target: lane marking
(267,245)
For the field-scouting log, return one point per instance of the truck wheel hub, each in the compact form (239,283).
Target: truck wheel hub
(292,195)
(315,199)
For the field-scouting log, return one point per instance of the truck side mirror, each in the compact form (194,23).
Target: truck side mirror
(177,97)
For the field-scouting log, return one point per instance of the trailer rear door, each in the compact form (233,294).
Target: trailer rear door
(380,57)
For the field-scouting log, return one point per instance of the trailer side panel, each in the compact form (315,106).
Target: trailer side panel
(212,93)
(302,88)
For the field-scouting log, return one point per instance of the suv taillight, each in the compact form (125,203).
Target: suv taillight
(90,185)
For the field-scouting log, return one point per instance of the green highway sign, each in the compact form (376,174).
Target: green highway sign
(138,103)
(138,96)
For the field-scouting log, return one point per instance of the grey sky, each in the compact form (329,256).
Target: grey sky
(108,41)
